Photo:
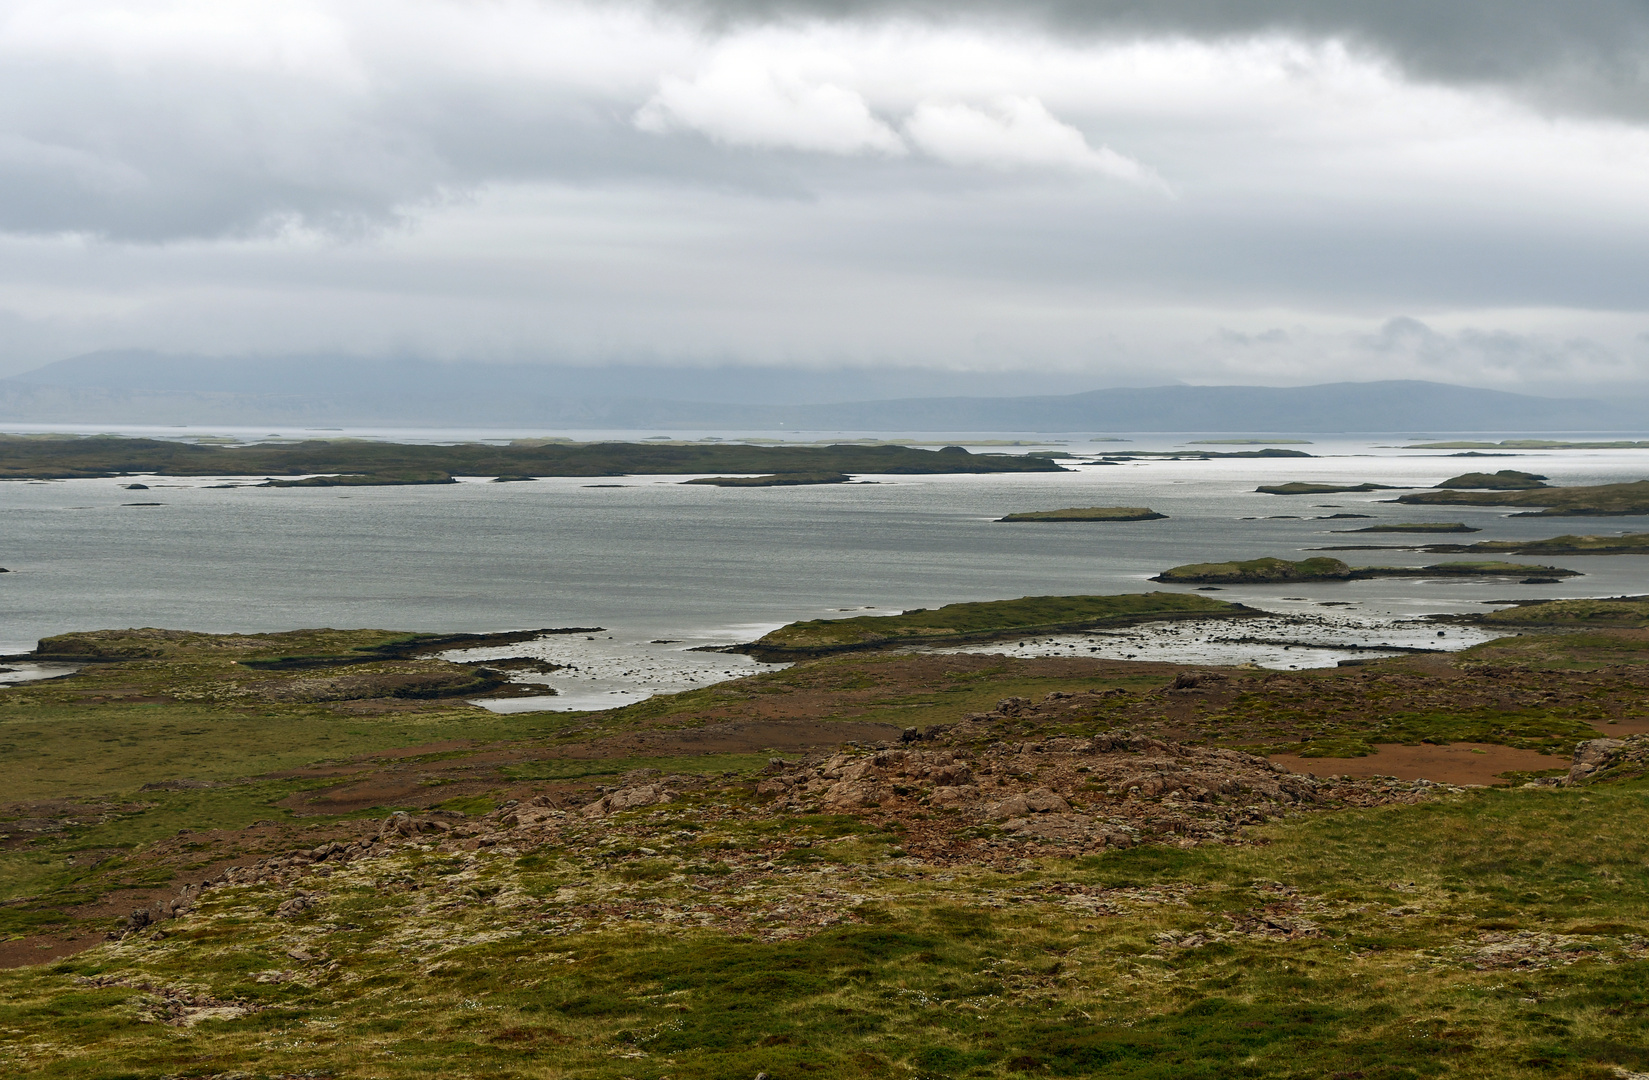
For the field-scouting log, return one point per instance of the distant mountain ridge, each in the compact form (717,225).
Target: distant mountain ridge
(149,388)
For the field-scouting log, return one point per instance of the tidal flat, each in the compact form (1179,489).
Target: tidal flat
(873,864)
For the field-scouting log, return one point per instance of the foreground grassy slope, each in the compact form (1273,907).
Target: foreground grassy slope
(1484,933)
(1489,934)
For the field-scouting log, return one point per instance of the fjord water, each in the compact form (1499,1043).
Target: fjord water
(649,558)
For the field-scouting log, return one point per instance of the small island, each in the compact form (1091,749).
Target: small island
(1089,513)
(1301,487)
(794,479)
(1415,527)
(1271,571)
(1504,480)
(1256,572)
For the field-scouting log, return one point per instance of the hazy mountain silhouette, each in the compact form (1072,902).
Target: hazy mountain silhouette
(152,388)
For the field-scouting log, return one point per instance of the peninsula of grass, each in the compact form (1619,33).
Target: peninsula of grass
(1301,487)
(1089,513)
(797,479)
(1272,571)
(1592,500)
(68,457)
(986,620)
(1629,544)
(1415,527)
(1622,612)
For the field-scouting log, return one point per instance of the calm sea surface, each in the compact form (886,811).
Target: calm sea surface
(653,559)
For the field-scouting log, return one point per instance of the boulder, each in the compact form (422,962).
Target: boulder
(852,794)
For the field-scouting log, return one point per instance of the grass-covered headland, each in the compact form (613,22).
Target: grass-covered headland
(983,621)
(869,865)
(363,462)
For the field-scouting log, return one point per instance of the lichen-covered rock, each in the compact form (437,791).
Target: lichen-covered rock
(629,798)
(1611,759)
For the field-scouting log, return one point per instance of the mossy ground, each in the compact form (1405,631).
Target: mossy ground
(1488,933)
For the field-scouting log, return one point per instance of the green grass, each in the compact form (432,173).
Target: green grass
(1625,611)
(67,747)
(1031,614)
(1544,732)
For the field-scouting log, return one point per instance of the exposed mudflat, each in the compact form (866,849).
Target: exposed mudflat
(1460,764)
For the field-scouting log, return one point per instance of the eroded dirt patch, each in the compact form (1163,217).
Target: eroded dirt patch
(1461,764)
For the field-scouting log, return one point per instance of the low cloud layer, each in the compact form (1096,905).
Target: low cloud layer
(1131,191)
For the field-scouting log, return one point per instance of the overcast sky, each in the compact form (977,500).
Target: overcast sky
(1277,191)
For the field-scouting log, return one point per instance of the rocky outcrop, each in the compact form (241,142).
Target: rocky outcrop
(1609,759)
(629,798)
(1111,790)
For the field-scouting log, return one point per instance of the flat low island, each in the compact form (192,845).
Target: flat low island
(1089,513)
(1270,571)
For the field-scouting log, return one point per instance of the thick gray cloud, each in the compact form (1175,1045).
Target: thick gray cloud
(1136,191)
(1587,54)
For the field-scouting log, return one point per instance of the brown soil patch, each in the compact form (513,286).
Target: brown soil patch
(1626,725)
(1458,763)
(44,948)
